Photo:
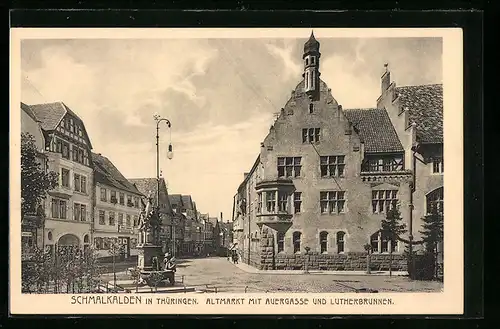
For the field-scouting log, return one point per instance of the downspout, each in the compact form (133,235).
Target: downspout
(249,240)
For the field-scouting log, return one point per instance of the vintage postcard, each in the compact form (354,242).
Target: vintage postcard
(236,171)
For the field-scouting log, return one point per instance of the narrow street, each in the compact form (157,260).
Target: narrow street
(222,275)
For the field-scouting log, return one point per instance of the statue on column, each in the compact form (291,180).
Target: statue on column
(145,227)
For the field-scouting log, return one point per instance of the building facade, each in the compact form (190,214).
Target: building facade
(326,177)
(117,206)
(170,221)
(68,207)
(32,224)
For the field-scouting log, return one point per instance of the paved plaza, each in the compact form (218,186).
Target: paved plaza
(219,274)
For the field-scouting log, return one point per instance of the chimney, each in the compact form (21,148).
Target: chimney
(386,79)
(221,217)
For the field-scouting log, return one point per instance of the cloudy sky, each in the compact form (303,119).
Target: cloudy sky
(219,94)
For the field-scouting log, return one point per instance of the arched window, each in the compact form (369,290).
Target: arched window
(306,80)
(323,241)
(296,242)
(49,236)
(435,199)
(340,242)
(380,243)
(307,61)
(312,84)
(280,238)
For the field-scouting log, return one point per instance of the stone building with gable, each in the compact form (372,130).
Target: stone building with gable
(326,176)
(68,208)
(117,207)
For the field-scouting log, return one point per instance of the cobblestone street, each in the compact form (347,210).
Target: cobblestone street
(221,274)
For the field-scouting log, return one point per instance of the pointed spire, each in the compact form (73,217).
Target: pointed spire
(312,44)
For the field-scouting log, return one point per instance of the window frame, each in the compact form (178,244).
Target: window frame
(331,201)
(323,242)
(297,200)
(379,203)
(296,241)
(437,161)
(335,163)
(289,167)
(67,185)
(340,241)
(280,242)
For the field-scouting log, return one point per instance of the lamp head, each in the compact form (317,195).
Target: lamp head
(170,152)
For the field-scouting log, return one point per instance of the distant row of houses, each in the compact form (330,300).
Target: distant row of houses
(93,204)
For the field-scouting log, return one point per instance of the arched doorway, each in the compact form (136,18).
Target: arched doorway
(68,243)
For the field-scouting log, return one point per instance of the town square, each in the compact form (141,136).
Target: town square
(232,165)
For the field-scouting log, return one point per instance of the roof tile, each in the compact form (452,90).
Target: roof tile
(375,129)
(425,107)
(107,173)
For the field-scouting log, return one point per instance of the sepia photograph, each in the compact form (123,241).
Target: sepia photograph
(230,166)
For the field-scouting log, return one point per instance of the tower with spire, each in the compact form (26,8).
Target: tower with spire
(311,67)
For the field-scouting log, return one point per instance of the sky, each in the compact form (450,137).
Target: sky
(219,94)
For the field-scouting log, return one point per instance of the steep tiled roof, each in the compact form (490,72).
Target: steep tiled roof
(425,107)
(375,129)
(51,114)
(107,173)
(187,201)
(176,199)
(150,185)
(28,111)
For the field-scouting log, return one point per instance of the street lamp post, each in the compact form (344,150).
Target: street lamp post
(170,155)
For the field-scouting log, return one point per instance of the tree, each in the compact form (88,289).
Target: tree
(115,249)
(432,233)
(35,182)
(392,228)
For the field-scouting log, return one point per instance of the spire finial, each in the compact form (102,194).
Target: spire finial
(386,66)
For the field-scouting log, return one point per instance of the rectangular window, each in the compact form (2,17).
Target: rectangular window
(101,217)
(65,177)
(77,183)
(332,202)
(289,166)
(311,135)
(271,201)
(383,200)
(55,208)
(83,181)
(113,197)
(384,164)
(83,213)
(104,196)
(280,238)
(259,203)
(76,211)
(282,201)
(111,219)
(65,150)
(62,209)
(297,202)
(323,241)
(122,198)
(332,166)
(80,156)
(136,202)
(127,220)
(120,219)
(74,153)
(136,220)
(296,242)
(438,165)
(130,203)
